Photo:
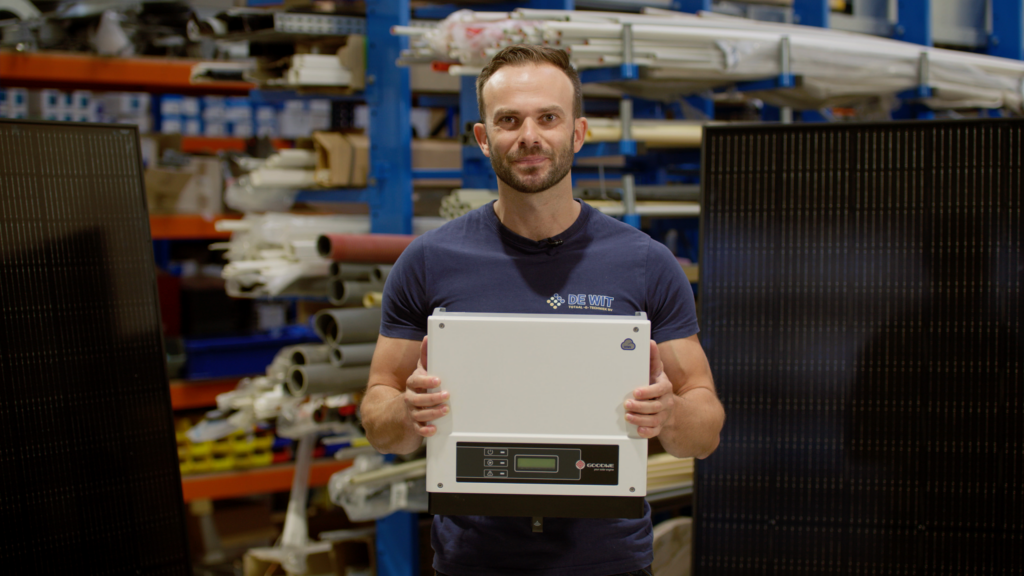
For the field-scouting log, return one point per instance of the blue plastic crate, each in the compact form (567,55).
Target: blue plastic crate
(240,355)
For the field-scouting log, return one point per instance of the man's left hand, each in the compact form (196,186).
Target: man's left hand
(651,406)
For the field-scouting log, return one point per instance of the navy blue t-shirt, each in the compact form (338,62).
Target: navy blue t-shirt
(601,266)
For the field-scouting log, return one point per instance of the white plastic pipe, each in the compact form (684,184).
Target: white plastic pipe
(325,379)
(352,354)
(305,354)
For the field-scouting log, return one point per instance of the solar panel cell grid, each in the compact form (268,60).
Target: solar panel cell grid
(861,313)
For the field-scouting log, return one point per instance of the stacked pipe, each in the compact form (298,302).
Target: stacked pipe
(352,283)
(464,200)
(358,266)
(342,362)
(361,264)
(683,54)
(277,254)
(272,184)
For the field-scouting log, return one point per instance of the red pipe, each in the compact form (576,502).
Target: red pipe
(371,248)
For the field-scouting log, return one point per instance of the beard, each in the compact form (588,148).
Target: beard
(533,179)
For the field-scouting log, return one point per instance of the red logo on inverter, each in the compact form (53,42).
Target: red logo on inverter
(580,464)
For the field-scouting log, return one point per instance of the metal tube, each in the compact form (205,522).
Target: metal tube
(305,354)
(627,43)
(350,271)
(628,194)
(369,248)
(352,354)
(343,292)
(325,379)
(784,67)
(337,326)
(296,524)
(626,118)
(677,192)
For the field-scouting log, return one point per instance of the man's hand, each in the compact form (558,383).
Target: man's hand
(651,407)
(424,407)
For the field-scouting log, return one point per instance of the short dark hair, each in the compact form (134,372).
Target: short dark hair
(521,55)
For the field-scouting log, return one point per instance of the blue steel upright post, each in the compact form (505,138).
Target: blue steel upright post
(811,12)
(705,105)
(1007,39)
(914,21)
(914,24)
(476,168)
(691,6)
(390,103)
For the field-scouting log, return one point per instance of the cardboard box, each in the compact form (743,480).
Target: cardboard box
(422,78)
(440,154)
(196,189)
(341,159)
(17,98)
(204,192)
(172,124)
(266,114)
(192,127)
(47,104)
(237,109)
(170,105)
(125,103)
(81,100)
(190,106)
(241,129)
(214,129)
(163,187)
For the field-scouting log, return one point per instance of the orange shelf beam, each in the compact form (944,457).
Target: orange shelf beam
(211,145)
(84,71)
(187,227)
(187,394)
(276,478)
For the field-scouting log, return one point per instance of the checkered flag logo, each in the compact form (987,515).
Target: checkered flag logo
(556,301)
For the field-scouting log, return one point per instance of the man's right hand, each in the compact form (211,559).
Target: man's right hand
(424,407)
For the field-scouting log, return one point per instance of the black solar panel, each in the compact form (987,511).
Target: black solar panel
(861,310)
(89,480)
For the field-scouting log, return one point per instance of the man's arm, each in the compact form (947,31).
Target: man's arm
(396,408)
(680,406)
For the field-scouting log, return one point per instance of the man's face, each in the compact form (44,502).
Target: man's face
(530,133)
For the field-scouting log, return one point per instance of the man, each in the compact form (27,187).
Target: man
(512,256)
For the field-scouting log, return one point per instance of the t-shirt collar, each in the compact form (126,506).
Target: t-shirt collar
(539,245)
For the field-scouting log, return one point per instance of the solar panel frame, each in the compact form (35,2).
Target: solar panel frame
(856,279)
(89,460)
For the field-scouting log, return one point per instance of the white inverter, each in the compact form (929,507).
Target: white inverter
(537,423)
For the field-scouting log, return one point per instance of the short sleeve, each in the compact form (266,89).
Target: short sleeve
(671,308)
(404,307)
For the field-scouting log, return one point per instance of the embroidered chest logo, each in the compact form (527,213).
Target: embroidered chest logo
(590,302)
(556,301)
